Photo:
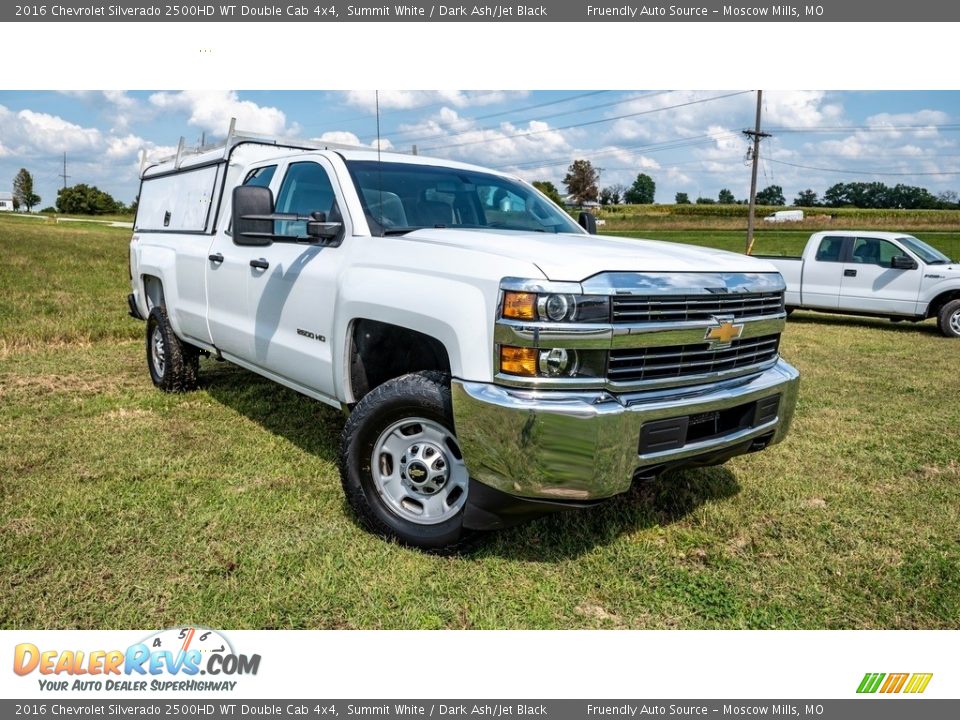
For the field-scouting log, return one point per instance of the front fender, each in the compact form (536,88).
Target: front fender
(456,311)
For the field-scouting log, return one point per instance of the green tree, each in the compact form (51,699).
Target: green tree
(612,194)
(806,198)
(681,199)
(642,191)
(544,186)
(82,199)
(706,201)
(581,181)
(725,197)
(23,190)
(771,195)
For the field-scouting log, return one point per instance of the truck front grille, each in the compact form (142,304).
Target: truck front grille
(679,361)
(680,308)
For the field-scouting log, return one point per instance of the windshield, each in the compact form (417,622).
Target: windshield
(400,197)
(930,255)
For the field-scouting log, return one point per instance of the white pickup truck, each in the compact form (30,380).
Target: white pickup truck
(496,360)
(860,272)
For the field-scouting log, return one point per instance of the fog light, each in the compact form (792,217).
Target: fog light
(518,361)
(557,362)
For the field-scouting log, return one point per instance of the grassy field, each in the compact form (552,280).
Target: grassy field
(124,507)
(734,217)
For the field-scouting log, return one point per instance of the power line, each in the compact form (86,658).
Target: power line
(860,172)
(404,133)
(675,144)
(590,122)
(863,128)
(426,106)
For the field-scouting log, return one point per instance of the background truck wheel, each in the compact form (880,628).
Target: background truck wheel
(173,364)
(401,466)
(950,319)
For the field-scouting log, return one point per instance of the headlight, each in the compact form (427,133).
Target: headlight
(555,307)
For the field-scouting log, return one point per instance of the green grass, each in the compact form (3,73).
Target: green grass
(125,507)
(772,242)
(734,217)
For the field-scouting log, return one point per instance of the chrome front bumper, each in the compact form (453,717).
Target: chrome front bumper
(584,445)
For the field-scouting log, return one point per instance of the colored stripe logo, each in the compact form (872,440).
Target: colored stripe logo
(913,683)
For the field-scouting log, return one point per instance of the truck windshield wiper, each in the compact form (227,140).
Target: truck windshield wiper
(400,230)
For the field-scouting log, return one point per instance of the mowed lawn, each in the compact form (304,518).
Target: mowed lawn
(124,507)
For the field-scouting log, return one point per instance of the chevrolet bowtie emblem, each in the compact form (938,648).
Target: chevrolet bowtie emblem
(723,332)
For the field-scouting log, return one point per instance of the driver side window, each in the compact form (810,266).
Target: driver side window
(874,251)
(306,189)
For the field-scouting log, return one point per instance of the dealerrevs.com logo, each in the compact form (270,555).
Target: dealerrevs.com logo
(173,659)
(892,683)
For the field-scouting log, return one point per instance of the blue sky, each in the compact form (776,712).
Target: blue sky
(688,141)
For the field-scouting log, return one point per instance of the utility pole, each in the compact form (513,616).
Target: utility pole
(757,137)
(64,173)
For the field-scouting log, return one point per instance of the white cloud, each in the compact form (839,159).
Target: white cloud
(799,108)
(121,147)
(408,99)
(344,137)
(211,111)
(27,132)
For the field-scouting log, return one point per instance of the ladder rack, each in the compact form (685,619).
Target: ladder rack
(236,137)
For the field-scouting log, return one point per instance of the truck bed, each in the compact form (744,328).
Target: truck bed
(791,268)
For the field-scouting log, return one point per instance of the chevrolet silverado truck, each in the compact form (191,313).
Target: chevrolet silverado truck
(496,360)
(884,274)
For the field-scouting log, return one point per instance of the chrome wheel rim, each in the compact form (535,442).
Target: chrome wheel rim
(419,472)
(955,322)
(158,353)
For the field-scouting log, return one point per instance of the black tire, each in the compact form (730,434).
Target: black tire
(789,310)
(949,319)
(417,395)
(179,367)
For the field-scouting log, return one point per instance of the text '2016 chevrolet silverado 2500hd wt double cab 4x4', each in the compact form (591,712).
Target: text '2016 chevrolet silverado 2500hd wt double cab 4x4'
(862,272)
(497,361)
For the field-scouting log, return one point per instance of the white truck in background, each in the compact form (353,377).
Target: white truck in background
(782,216)
(865,272)
(496,360)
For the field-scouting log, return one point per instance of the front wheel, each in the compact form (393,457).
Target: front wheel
(401,465)
(950,319)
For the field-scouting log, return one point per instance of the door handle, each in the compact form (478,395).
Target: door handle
(215,258)
(849,273)
(260,264)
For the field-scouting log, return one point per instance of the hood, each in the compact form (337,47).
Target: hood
(577,257)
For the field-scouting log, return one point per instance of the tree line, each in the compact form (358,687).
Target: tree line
(582,183)
(79,199)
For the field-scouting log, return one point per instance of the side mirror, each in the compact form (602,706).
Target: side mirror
(903,262)
(588,222)
(252,208)
(319,227)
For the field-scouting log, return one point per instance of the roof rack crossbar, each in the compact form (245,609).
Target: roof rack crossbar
(236,137)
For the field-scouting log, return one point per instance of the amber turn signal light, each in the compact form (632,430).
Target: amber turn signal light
(518,361)
(519,305)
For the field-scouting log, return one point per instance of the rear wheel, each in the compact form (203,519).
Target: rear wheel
(949,319)
(401,465)
(174,365)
